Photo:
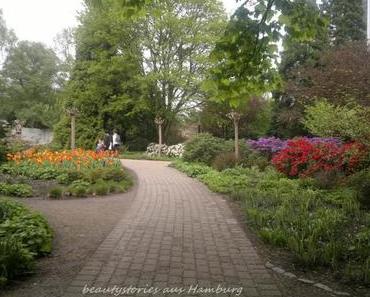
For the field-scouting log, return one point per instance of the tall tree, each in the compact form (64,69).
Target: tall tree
(7,38)
(245,55)
(64,47)
(105,84)
(30,74)
(287,111)
(346,20)
(177,38)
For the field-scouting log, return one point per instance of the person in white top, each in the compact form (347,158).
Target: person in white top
(116,140)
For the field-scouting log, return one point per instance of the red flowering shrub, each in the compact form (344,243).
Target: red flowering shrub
(304,158)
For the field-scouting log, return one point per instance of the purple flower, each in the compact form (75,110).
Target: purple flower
(272,145)
(269,145)
(318,140)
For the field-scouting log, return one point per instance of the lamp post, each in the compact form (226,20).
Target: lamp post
(73,112)
(235,117)
(159,121)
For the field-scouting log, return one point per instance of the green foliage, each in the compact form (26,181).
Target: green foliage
(16,190)
(361,183)
(105,81)
(31,230)
(56,193)
(243,60)
(15,260)
(254,122)
(30,170)
(101,188)
(31,71)
(113,173)
(347,122)
(346,20)
(204,148)
(254,159)
(79,188)
(24,235)
(191,169)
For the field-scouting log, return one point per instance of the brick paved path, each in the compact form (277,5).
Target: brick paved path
(177,234)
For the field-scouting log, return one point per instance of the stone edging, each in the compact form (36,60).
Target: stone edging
(304,280)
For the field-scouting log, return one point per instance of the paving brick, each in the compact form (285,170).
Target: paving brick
(177,233)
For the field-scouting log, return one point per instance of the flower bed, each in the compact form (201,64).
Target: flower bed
(79,172)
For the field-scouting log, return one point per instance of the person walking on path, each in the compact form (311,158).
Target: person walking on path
(108,140)
(116,140)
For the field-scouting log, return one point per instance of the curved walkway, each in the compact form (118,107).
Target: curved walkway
(176,236)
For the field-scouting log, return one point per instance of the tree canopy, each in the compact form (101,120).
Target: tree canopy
(30,73)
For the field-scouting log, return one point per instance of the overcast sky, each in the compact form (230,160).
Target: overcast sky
(41,20)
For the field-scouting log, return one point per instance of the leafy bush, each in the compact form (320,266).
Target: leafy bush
(101,188)
(347,122)
(361,183)
(56,193)
(92,175)
(191,169)
(31,229)
(224,161)
(113,173)
(204,148)
(15,260)
(17,190)
(254,159)
(23,236)
(79,188)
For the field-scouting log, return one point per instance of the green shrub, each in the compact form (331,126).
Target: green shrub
(125,184)
(16,190)
(204,148)
(24,235)
(29,170)
(79,188)
(224,161)
(101,188)
(31,229)
(191,169)
(361,183)
(113,187)
(93,175)
(56,193)
(113,173)
(254,159)
(15,260)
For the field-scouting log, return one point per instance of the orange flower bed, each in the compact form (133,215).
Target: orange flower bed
(77,156)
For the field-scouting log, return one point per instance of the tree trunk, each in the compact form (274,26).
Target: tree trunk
(73,132)
(236,136)
(160,138)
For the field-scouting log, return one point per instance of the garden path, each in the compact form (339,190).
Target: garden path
(176,234)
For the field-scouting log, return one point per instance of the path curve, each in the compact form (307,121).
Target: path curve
(176,234)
